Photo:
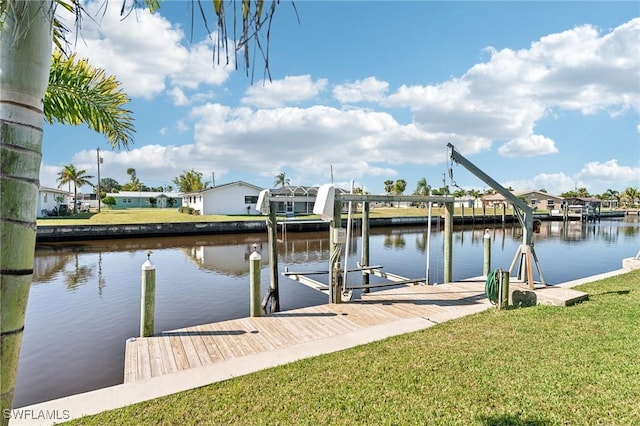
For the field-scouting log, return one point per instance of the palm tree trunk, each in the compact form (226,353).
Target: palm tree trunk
(25,55)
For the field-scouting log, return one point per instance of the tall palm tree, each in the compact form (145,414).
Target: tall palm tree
(281,180)
(423,188)
(70,175)
(27,30)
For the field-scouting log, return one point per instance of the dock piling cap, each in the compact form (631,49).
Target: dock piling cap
(255,255)
(148,266)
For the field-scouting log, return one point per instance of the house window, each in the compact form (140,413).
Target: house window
(45,197)
(250,199)
(533,202)
(551,204)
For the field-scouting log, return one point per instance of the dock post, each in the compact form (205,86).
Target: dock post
(147,297)
(487,253)
(503,301)
(448,241)
(273,258)
(335,250)
(364,259)
(255,261)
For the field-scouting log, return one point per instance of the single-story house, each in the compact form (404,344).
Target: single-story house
(146,199)
(230,198)
(50,200)
(535,199)
(467,202)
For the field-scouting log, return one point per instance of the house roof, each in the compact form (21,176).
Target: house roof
(224,185)
(58,191)
(495,197)
(144,194)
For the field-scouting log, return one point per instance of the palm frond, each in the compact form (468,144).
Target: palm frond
(79,93)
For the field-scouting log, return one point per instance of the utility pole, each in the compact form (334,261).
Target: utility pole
(99,162)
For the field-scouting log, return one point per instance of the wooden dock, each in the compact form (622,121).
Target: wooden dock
(202,345)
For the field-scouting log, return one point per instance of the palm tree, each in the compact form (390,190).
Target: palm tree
(70,175)
(281,180)
(134,184)
(475,194)
(78,93)
(423,188)
(189,181)
(388,186)
(399,186)
(28,29)
(630,196)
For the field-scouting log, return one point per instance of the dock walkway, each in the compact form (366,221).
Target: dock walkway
(203,345)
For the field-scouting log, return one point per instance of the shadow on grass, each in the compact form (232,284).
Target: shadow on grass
(617,292)
(512,420)
(68,217)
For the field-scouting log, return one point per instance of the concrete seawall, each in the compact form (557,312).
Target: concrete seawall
(147,230)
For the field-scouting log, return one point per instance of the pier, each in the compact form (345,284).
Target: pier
(296,334)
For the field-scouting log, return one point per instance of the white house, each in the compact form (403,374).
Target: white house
(50,200)
(231,198)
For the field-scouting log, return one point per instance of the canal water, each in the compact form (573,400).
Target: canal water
(85,297)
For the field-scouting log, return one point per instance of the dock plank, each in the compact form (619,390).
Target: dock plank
(206,344)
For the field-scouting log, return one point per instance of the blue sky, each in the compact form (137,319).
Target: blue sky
(537,94)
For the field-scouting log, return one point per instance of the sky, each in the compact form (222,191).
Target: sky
(538,95)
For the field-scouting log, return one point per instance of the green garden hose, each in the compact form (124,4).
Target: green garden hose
(492,286)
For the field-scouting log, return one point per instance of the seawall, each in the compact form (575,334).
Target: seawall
(147,230)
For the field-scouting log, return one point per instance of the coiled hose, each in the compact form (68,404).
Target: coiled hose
(492,286)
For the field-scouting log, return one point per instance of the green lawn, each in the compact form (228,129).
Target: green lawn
(532,366)
(141,215)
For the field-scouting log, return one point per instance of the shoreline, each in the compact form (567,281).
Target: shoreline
(145,230)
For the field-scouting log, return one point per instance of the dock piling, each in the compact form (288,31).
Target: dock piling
(487,253)
(255,261)
(147,297)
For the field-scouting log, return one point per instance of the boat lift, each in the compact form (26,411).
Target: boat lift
(526,255)
(328,206)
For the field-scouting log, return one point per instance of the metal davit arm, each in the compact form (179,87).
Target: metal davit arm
(523,212)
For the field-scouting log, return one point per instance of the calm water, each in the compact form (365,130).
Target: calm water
(85,298)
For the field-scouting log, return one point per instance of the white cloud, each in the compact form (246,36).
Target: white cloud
(610,172)
(503,98)
(309,140)
(553,183)
(122,46)
(369,89)
(181,126)
(528,147)
(277,93)
(178,96)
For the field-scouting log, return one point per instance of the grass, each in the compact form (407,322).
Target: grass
(533,366)
(141,215)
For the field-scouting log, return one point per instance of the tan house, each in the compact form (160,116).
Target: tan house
(536,199)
